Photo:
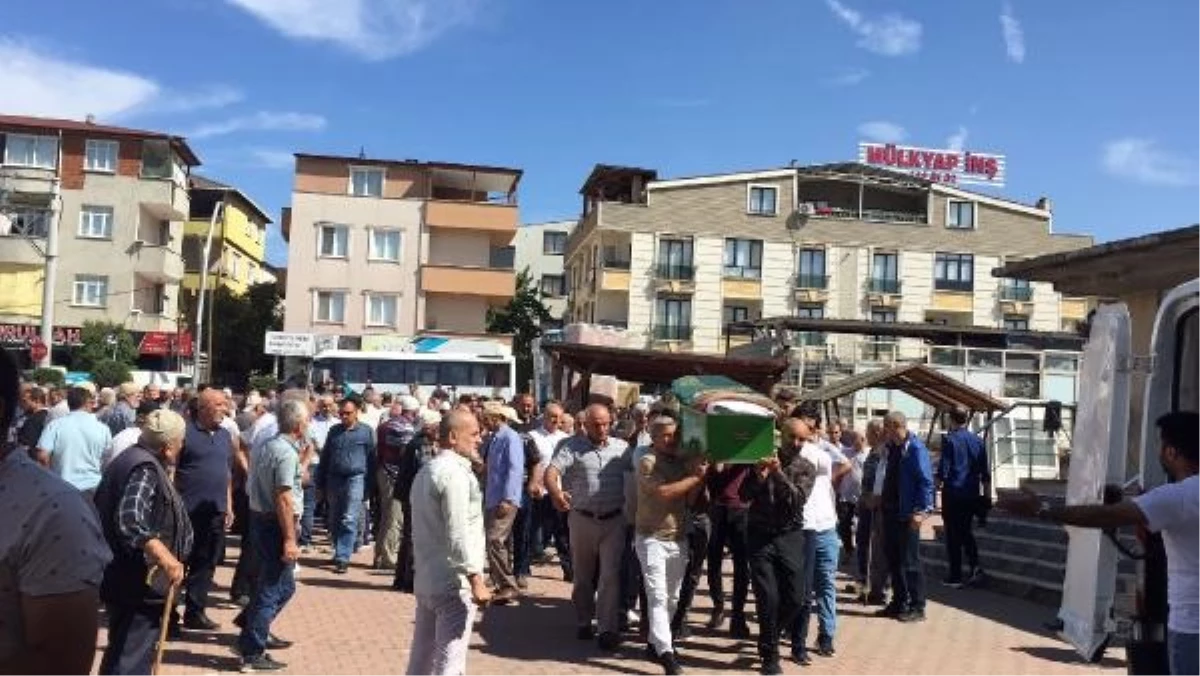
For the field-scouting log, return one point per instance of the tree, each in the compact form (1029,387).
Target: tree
(103,341)
(522,317)
(47,377)
(110,373)
(240,322)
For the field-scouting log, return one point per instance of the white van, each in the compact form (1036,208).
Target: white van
(1102,432)
(164,379)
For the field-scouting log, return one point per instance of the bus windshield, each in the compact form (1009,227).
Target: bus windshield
(403,372)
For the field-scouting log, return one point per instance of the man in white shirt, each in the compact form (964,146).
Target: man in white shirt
(821,544)
(549,525)
(372,412)
(447,512)
(1172,509)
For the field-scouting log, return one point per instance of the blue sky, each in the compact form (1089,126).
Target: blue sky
(1094,103)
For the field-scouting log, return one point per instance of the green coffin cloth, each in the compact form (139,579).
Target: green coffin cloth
(688,388)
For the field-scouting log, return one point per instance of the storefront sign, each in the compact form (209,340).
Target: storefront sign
(388,342)
(952,167)
(19,335)
(163,344)
(289,344)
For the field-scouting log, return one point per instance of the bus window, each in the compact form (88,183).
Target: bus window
(479,375)
(390,371)
(498,375)
(425,373)
(352,370)
(455,373)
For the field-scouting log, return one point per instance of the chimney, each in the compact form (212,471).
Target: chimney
(1044,204)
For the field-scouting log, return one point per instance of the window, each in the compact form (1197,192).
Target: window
(675,259)
(156,159)
(554,243)
(810,311)
(334,242)
(954,272)
(743,258)
(31,151)
(736,313)
(385,245)
(90,291)
(1016,289)
(960,215)
(885,273)
(810,269)
(331,306)
(234,263)
(879,316)
(96,222)
(365,182)
(100,156)
(761,200)
(381,310)
(674,319)
(881,348)
(554,286)
(1014,323)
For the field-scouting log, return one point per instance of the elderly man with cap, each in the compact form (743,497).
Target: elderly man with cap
(130,435)
(504,454)
(392,438)
(123,414)
(421,448)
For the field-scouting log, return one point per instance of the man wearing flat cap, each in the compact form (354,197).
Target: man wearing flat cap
(505,458)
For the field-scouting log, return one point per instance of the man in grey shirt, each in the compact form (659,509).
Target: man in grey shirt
(586,478)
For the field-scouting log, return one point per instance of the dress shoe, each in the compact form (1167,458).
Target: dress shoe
(889,611)
(911,616)
(801,657)
(276,643)
(770,668)
(199,622)
(340,567)
(669,664)
(585,633)
(738,628)
(609,641)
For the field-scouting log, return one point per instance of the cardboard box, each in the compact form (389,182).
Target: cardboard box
(743,439)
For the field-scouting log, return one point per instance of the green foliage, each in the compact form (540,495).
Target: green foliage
(239,324)
(522,317)
(47,377)
(263,382)
(103,341)
(110,373)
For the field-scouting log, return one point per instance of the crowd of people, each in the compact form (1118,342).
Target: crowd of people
(125,500)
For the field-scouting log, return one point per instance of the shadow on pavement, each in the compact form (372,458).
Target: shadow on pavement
(209,663)
(344,583)
(1066,656)
(1016,613)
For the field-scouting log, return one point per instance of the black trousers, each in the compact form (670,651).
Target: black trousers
(846,511)
(728,530)
(132,636)
(208,546)
(631,576)
(776,571)
(404,558)
(904,563)
(958,513)
(698,534)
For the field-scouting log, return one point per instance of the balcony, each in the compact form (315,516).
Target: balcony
(157,262)
(812,288)
(741,289)
(667,332)
(450,214)
(809,338)
(884,293)
(470,281)
(614,279)
(17,230)
(672,278)
(1015,300)
(959,285)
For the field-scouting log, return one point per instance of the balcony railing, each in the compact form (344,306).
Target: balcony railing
(616,264)
(673,271)
(812,281)
(1023,294)
(668,332)
(825,210)
(883,286)
(26,223)
(809,338)
(954,285)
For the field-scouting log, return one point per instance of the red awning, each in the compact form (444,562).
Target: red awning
(162,344)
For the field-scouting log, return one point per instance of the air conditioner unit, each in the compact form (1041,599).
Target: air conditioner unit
(806,209)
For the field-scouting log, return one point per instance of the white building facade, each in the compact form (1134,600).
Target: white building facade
(539,248)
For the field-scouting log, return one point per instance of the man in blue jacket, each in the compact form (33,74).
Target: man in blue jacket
(907,500)
(349,450)
(963,474)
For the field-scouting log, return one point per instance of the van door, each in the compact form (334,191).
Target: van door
(1173,380)
(1097,458)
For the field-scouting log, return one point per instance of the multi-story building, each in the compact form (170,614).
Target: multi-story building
(237,257)
(118,199)
(539,249)
(397,247)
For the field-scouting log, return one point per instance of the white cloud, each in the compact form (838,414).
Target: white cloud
(263,120)
(35,81)
(882,131)
(889,34)
(273,159)
(957,140)
(1014,36)
(1142,161)
(373,29)
(849,77)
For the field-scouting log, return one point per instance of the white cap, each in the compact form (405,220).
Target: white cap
(409,403)
(445,406)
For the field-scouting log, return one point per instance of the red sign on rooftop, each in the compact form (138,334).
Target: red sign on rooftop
(951,167)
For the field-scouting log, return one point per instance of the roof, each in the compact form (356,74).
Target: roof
(453,166)
(198,182)
(609,173)
(917,380)
(977,336)
(660,368)
(58,124)
(1156,261)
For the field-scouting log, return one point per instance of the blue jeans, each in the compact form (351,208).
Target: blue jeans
(306,519)
(345,496)
(1183,651)
(276,585)
(820,581)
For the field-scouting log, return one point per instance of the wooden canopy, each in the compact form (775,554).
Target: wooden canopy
(652,367)
(918,380)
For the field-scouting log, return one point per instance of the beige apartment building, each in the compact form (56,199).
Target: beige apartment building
(674,261)
(118,199)
(539,249)
(391,247)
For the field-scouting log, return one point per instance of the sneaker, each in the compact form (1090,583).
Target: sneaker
(911,616)
(340,567)
(952,582)
(263,662)
(825,649)
(669,664)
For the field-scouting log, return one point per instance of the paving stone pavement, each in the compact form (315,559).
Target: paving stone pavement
(355,624)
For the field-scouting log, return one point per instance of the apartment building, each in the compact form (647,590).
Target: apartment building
(674,261)
(237,257)
(397,247)
(539,248)
(118,199)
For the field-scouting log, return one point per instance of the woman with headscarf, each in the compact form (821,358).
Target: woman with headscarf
(148,529)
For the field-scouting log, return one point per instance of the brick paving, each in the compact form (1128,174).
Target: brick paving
(355,624)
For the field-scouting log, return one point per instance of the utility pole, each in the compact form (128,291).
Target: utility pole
(50,270)
(212,225)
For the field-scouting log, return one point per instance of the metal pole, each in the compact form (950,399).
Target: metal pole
(1029,458)
(212,225)
(50,270)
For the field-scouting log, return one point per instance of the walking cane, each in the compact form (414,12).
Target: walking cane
(168,605)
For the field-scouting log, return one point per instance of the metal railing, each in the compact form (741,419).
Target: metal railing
(812,281)
(669,332)
(1023,294)
(25,222)
(954,285)
(883,285)
(615,264)
(672,271)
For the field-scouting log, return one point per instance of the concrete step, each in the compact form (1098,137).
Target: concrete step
(1055,553)
(1001,582)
